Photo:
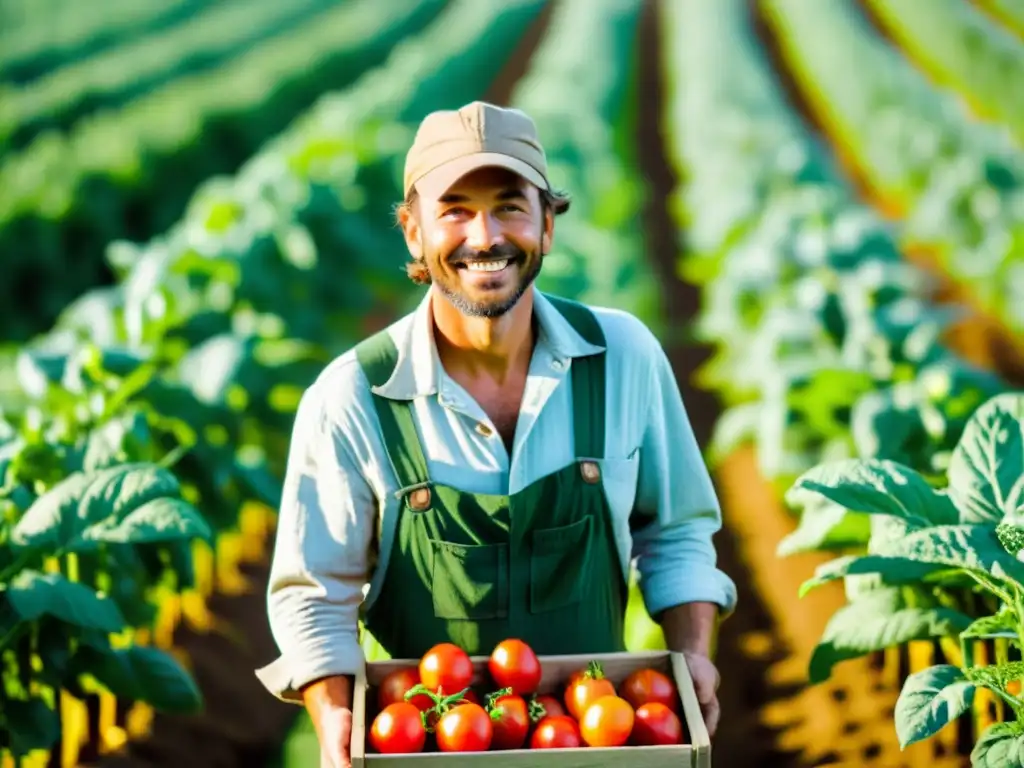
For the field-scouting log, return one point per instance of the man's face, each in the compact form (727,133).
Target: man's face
(482,241)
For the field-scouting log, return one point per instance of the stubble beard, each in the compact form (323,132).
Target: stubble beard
(494,308)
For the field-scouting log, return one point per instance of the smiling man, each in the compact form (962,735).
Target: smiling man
(491,464)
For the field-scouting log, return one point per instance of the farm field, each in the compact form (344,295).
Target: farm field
(818,207)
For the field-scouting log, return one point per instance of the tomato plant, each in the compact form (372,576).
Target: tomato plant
(513,664)
(647,685)
(394,687)
(607,722)
(655,724)
(466,727)
(398,729)
(585,687)
(511,719)
(556,732)
(545,705)
(446,668)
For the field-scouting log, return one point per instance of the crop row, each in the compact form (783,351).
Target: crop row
(38,37)
(128,172)
(115,76)
(960,182)
(828,351)
(1009,12)
(965,50)
(182,398)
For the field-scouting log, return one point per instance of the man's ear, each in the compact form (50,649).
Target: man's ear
(411,231)
(547,239)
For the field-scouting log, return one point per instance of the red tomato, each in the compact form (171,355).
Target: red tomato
(556,732)
(513,664)
(656,724)
(607,722)
(585,687)
(546,705)
(465,728)
(469,697)
(398,729)
(446,668)
(511,724)
(646,685)
(393,689)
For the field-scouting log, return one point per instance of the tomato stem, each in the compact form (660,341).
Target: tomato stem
(537,711)
(492,698)
(595,671)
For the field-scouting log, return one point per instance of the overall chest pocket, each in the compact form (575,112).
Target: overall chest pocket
(559,563)
(469,581)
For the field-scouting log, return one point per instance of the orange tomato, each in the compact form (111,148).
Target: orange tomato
(585,687)
(607,722)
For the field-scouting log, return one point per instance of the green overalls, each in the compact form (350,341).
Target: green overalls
(474,569)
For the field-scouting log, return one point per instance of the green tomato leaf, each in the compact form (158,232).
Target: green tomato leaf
(57,520)
(880,487)
(879,619)
(986,471)
(1000,746)
(159,520)
(32,725)
(930,700)
(32,594)
(142,673)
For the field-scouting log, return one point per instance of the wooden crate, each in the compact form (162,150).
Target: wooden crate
(556,669)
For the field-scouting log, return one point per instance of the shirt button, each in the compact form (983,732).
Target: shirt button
(484,430)
(558,365)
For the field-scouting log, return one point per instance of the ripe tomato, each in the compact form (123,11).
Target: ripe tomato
(585,687)
(398,729)
(546,705)
(556,732)
(465,728)
(513,664)
(646,685)
(469,697)
(446,668)
(607,722)
(393,689)
(655,724)
(510,722)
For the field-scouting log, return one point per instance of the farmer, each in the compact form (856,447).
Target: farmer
(493,461)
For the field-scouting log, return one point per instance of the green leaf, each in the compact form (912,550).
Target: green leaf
(970,547)
(824,525)
(930,700)
(1002,624)
(880,487)
(878,620)
(159,520)
(56,521)
(32,725)
(32,594)
(142,673)
(1000,746)
(986,471)
(892,570)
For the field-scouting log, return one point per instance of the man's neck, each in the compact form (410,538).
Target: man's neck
(475,346)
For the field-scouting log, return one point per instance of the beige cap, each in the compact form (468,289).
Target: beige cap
(451,143)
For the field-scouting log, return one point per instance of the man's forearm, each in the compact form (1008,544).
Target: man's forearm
(691,627)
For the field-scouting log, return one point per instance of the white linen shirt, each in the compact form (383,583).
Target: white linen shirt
(339,489)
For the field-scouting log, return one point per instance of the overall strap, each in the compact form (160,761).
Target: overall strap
(378,357)
(588,380)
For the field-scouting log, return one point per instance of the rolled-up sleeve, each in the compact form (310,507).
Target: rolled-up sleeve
(677,511)
(321,554)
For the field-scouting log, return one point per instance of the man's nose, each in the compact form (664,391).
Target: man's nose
(483,232)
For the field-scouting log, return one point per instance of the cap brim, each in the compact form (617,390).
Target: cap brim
(439,180)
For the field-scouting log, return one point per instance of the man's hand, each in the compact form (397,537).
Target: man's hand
(329,702)
(705,682)
(335,732)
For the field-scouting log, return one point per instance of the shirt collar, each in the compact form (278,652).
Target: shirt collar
(418,371)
